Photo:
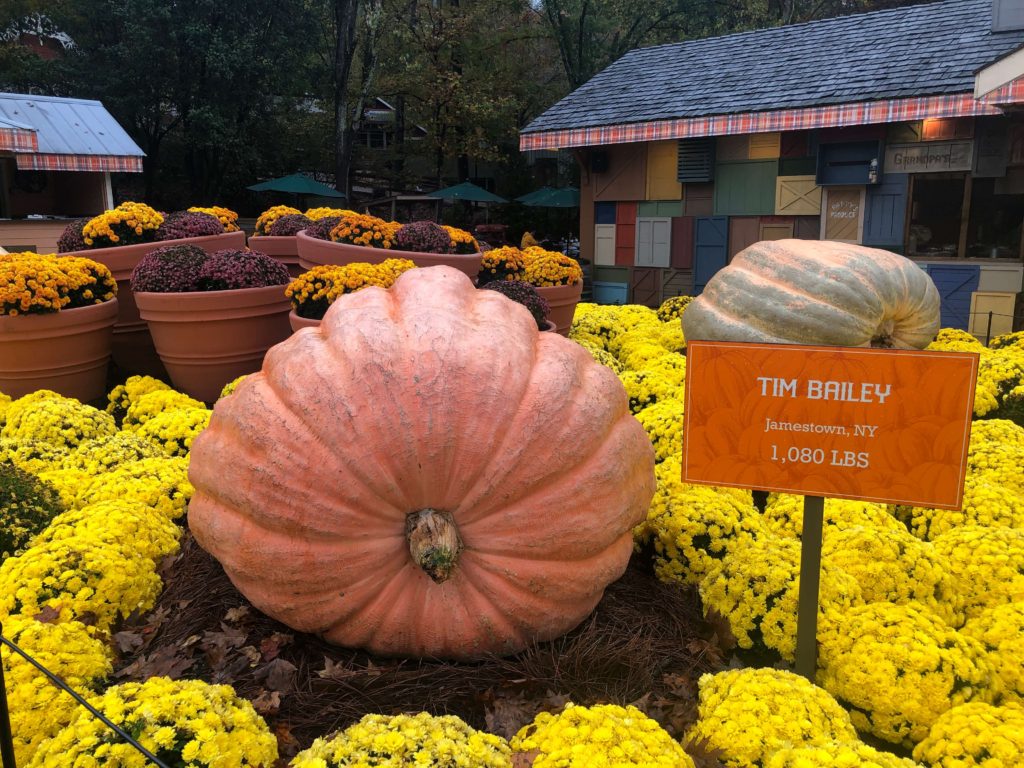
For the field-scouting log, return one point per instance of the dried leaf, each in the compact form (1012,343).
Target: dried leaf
(251,653)
(267,703)
(287,745)
(723,637)
(271,646)
(48,615)
(335,670)
(505,714)
(163,662)
(128,642)
(703,754)
(524,759)
(235,615)
(278,675)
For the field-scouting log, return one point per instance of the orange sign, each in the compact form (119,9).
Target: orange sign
(890,426)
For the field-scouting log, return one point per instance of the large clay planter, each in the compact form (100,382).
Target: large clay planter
(65,351)
(563,300)
(133,350)
(298,323)
(313,252)
(208,338)
(284,249)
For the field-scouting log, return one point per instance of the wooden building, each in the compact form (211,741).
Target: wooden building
(56,157)
(900,129)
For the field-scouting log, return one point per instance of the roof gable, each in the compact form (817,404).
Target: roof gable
(913,51)
(68,126)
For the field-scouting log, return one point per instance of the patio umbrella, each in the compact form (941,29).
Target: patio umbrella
(297,184)
(467,191)
(538,194)
(566,197)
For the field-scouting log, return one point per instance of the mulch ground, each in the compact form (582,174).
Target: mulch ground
(645,644)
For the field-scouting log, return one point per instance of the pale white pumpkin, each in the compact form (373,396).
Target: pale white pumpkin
(817,292)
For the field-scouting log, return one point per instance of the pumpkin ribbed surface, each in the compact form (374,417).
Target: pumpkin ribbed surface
(812,292)
(424,474)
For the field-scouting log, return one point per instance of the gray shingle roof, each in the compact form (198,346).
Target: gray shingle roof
(68,126)
(913,51)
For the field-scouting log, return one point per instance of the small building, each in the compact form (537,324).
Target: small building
(900,129)
(56,157)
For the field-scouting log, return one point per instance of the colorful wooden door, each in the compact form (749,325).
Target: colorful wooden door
(682,243)
(653,242)
(711,249)
(625,234)
(956,283)
(886,211)
(604,244)
(743,231)
(646,286)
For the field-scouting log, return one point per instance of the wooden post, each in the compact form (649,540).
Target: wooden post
(810,575)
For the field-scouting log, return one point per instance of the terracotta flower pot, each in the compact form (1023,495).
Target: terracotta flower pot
(65,351)
(207,338)
(133,347)
(298,323)
(563,300)
(313,252)
(284,249)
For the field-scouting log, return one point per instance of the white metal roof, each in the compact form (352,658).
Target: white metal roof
(66,126)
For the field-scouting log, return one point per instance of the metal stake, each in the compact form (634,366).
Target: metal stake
(810,576)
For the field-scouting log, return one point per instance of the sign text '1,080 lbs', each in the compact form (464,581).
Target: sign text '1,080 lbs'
(890,426)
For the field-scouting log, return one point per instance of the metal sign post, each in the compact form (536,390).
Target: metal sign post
(810,576)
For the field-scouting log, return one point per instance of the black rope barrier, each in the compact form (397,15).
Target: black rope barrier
(7,736)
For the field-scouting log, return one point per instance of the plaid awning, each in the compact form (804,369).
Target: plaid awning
(18,140)
(834,116)
(44,162)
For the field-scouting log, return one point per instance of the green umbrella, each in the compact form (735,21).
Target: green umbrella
(567,197)
(538,194)
(467,191)
(297,184)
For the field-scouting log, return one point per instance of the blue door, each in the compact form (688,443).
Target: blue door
(886,211)
(956,283)
(711,249)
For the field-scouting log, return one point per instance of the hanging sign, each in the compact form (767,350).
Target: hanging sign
(929,157)
(880,425)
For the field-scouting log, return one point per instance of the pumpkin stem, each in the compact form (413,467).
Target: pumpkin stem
(883,335)
(434,542)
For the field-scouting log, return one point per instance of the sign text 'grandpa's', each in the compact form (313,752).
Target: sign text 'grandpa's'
(890,426)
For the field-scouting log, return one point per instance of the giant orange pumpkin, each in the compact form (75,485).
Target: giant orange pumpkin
(813,292)
(424,474)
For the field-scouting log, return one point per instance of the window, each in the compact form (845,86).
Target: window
(936,212)
(994,224)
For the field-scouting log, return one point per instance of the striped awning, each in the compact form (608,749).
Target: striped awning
(14,139)
(832,116)
(47,162)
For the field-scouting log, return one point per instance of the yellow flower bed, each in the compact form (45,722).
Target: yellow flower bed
(850,754)
(784,516)
(975,734)
(39,710)
(462,241)
(160,483)
(365,230)
(122,396)
(897,668)
(103,454)
(748,714)
(673,308)
(126,224)
(188,722)
(32,283)
(547,268)
(892,566)
(151,404)
(985,564)
(602,736)
(266,219)
(61,422)
(315,214)
(78,577)
(1000,629)
(314,291)
(110,522)
(504,263)
(227,218)
(421,740)
(174,431)
(755,587)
